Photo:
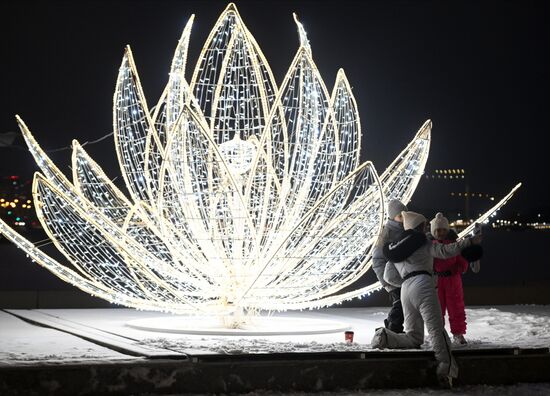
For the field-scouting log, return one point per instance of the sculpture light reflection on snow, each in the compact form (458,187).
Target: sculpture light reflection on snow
(243,195)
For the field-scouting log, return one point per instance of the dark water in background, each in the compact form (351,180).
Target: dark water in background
(513,257)
(513,262)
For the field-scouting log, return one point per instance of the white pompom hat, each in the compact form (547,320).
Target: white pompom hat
(439,221)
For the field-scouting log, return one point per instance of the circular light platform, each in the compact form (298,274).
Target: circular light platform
(256,326)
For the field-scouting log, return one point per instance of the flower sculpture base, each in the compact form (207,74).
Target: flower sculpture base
(255,326)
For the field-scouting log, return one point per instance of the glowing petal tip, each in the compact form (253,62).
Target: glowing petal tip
(304,42)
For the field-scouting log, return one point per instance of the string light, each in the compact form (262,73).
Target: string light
(243,196)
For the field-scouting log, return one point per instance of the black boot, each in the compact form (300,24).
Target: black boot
(395,319)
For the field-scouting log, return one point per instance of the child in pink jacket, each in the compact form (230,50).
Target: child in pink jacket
(449,280)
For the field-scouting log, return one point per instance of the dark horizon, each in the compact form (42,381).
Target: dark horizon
(477,69)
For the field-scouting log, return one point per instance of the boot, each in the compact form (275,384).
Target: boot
(445,373)
(395,319)
(380,339)
(445,381)
(459,339)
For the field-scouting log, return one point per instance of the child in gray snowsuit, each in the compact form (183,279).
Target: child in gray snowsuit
(413,256)
(390,233)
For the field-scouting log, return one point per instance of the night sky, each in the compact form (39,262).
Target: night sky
(477,69)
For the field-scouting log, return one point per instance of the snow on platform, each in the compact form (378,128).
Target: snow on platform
(24,343)
(523,326)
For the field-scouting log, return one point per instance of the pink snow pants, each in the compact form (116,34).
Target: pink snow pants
(451,299)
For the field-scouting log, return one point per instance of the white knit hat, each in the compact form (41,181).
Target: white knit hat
(439,221)
(411,220)
(395,207)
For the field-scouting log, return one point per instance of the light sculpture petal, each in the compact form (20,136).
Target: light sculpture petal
(165,243)
(176,94)
(102,252)
(44,162)
(402,176)
(132,123)
(178,91)
(66,274)
(484,218)
(316,256)
(348,126)
(92,183)
(232,81)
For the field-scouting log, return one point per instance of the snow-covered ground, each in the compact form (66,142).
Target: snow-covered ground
(525,326)
(21,342)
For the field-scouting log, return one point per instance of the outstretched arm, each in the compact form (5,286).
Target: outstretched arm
(444,251)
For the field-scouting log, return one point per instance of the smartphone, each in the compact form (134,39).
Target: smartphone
(477,229)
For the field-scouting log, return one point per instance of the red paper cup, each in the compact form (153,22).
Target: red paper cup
(349,336)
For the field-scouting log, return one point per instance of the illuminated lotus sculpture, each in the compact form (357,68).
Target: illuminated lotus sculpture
(243,195)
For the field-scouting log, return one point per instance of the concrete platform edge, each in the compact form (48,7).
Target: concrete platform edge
(167,376)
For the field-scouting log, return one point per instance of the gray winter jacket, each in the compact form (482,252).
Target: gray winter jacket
(423,258)
(390,233)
